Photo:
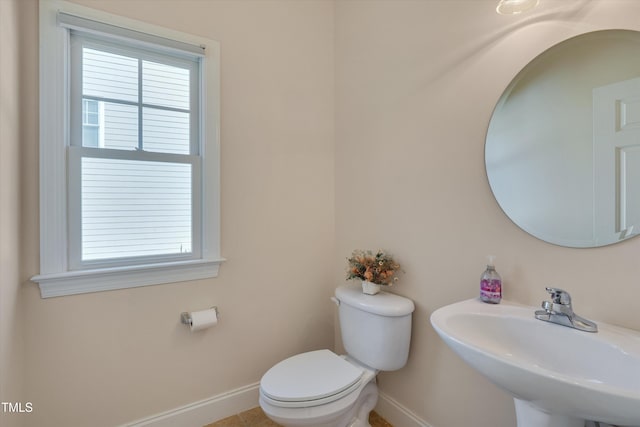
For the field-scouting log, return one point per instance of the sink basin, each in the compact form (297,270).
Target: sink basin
(558,376)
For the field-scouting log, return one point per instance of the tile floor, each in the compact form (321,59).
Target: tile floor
(256,418)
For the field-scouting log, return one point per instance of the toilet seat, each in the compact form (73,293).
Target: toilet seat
(310,379)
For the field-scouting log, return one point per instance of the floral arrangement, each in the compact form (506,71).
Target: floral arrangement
(380,268)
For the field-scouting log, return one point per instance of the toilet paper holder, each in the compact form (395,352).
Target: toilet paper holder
(185,316)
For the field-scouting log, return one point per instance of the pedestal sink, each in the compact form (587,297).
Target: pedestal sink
(558,376)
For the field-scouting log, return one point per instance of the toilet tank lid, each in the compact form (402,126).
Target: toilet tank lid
(383,303)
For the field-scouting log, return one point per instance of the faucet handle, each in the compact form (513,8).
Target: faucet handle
(559,296)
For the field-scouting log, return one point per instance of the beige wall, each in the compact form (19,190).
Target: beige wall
(416,83)
(12,132)
(107,358)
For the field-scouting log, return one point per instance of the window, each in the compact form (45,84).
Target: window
(133,162)
(129,153)
(91,116)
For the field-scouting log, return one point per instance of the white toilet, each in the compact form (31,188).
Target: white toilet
(322,389)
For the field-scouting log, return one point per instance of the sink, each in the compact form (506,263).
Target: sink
(558,376)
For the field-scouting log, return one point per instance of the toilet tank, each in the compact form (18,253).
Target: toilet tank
(376,329)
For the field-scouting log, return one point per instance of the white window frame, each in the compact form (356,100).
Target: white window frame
(56,278)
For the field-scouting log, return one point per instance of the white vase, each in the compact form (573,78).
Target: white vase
(370,288)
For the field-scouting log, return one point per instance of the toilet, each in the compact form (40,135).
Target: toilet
(322,389)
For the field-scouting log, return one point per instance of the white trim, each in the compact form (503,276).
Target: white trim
(53,116)
(104,29)
(108,279)
(205,411)
(244,398)
(396,414)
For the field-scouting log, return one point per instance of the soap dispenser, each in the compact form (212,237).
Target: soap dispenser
(491,284)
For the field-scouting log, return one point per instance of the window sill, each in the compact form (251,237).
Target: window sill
(107,279)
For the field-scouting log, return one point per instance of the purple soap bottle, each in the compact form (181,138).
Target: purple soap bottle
(491,284)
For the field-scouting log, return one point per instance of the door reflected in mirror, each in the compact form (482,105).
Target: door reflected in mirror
(562,152)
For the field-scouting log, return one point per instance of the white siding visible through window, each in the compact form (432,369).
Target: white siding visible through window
(165,131)
(165,85)
(107,75)
(132,208)
(120,127)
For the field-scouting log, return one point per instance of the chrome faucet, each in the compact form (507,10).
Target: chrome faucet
(560,311)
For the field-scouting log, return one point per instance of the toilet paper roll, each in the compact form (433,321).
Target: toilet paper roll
(203,319)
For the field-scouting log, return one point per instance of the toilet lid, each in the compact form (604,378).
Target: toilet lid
(315,375)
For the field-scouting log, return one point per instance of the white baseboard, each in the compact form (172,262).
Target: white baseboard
(224,405)
(396,414)
(206,411)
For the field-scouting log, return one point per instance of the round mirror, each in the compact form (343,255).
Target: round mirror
(563,145)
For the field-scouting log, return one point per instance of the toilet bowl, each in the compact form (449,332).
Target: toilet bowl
(322,389)
(319,389)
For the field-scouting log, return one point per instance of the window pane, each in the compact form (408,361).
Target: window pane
(134,208)
(90,136)
(165,85)
(90,112)
(120,126)
(165,131)
(107,75)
